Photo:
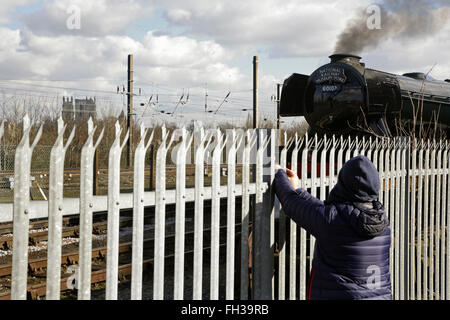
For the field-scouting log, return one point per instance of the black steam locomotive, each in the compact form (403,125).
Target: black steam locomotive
(344,97)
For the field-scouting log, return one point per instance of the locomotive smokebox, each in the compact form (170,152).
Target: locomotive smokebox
(297,97)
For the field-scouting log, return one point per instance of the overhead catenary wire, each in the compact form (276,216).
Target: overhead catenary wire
(108,98)
(233,105)
(114,92)
(223,101)
(179,102)
(24,82)
(63,88)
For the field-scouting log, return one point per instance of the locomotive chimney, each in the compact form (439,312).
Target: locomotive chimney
(350,59)
(345,58)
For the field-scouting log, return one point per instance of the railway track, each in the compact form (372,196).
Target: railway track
(38,236)
(39,228)
(37,266)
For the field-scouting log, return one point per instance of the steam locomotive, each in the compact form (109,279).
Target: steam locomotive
(343,97)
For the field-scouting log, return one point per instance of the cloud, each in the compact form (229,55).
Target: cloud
(180,51)
(409,55)
(96,17)
(158,59)
(282,29)
(7,7)
(195,42)
(173,63)
(179,15)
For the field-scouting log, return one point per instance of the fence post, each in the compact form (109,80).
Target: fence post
(425,222)
(447,239)
(302,248)
(331,163)
(380,156)
(390,175)
(199,140)
(251,140)
(438,221)
(262,260)
(273,158)
(412,174)
(441,231)
(160,215)
(444,222)
(282,227)
(180,213)
(112,256)
(323,170)
(22,167)
(431,219)
(293,229)
(398,245)
(138,214)
(314,185)
(55,212)
(340,154)
(86,205)
(406,217)
(235,140)
(215,215)
(419,264)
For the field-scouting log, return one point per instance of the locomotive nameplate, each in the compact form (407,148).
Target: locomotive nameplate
(331,75)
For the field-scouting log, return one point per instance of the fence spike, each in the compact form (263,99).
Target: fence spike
(86,211)
(69,139)
(21,210)
(150,139)
(55,213)
(138,214)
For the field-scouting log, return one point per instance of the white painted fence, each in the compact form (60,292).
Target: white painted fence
(414,190)
(22,210)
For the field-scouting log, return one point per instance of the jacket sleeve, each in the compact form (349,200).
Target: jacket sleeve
(307,211)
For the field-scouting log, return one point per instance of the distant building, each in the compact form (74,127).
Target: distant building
(68,109)
(81,109)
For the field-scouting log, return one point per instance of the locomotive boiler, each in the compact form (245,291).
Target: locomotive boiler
(343,97)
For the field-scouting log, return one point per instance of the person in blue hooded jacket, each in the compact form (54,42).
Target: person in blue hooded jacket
(351,254)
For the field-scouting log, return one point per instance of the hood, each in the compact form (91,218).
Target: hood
(358,181)
(369,219)
(358,185)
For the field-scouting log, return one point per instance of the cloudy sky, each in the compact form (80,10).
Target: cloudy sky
(190,47)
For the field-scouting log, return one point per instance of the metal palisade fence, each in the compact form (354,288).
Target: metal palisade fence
(245,250)
(415,192)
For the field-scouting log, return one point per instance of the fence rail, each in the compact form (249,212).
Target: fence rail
(414,190)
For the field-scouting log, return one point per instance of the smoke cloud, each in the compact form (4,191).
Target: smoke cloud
(397,19)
